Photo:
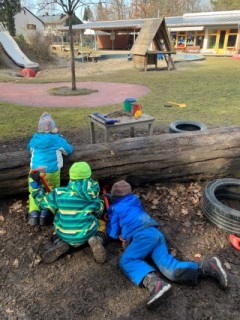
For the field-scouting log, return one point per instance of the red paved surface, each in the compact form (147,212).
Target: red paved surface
(37,95)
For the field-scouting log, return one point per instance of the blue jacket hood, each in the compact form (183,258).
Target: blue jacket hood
(127,216)
(47,150)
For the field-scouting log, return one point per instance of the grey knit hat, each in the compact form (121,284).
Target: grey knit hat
(120,189)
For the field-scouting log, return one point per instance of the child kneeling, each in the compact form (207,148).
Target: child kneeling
(77,210)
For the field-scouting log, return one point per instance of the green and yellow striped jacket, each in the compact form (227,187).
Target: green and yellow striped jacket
(76,207)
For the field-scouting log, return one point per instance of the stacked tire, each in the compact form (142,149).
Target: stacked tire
(218,213)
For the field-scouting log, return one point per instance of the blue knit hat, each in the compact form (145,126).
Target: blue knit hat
(46,124)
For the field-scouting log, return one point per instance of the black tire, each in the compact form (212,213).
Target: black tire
(179,126)
(218,213)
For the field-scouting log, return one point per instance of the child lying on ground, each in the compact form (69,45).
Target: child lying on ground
(128,222)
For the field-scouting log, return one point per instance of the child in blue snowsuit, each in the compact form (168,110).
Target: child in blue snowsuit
(47,148)
(128,222)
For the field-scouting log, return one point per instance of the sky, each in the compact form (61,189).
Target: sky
(32,6)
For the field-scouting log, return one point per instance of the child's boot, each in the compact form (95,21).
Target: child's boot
(213,268)
(156,286)
(97,243)
(56,249)
(34,218)
(46,217)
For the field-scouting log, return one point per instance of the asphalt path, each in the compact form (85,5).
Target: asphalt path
(37,95)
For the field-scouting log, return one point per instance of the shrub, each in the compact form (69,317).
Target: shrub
(40,45)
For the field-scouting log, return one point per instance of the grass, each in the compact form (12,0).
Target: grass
(209,88)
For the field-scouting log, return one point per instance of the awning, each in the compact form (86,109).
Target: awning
(172,29)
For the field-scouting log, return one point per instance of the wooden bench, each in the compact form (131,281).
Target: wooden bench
(93,57)
(192,49)
(58,46)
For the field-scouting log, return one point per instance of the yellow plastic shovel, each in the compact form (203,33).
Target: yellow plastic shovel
(180,105)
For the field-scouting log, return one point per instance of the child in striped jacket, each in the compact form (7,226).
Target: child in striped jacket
(77,210)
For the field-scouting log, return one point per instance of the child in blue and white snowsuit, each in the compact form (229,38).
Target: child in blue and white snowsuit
(47,148)
(128,222)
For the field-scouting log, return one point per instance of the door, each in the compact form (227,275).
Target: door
(221,41)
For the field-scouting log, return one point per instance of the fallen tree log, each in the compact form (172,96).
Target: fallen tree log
(199,155)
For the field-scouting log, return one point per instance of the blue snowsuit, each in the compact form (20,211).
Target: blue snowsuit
(47,150)
(128,220)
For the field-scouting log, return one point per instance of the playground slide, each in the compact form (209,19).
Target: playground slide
(14,52)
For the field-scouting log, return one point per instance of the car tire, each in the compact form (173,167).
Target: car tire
(221,215)
(180,126)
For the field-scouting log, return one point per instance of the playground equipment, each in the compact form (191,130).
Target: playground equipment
(12,49)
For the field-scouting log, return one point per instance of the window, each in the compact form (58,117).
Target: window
(231,41)
(31,27)
(212,41)
(173,38)
(190,38)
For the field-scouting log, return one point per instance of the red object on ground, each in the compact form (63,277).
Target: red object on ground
(235,241)
(106,202)
(28,73)
(236,56)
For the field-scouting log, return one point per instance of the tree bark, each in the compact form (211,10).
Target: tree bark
(199,155)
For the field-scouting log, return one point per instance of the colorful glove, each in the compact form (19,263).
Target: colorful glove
(35,185)
(36,177)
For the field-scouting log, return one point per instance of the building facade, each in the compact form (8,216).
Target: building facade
(26,23)
(214,32)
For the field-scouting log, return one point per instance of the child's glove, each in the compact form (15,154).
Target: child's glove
(35,185)
(36,177)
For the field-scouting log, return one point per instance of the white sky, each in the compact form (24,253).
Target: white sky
(32,6)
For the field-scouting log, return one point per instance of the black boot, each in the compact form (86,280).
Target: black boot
(97,244)
(213,268)
(34,218)
(56,248)
(46,218)
(156,286)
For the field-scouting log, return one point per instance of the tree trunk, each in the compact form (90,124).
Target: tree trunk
(198,155)
(73,73)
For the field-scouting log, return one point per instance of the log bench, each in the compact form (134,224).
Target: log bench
(192,49)
(177,157)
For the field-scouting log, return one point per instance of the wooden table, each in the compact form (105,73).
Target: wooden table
(125,122)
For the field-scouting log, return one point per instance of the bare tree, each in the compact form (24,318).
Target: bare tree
(225,5)
(69,7)
(101,11)
(142,9)
(156,8)
(112,10)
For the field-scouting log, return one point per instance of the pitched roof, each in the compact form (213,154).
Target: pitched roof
(119,25)
(24,8)
(54,19)
(217,18)
(153,30)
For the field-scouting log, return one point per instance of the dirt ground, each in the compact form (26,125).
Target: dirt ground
(76,287)
(61,67)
